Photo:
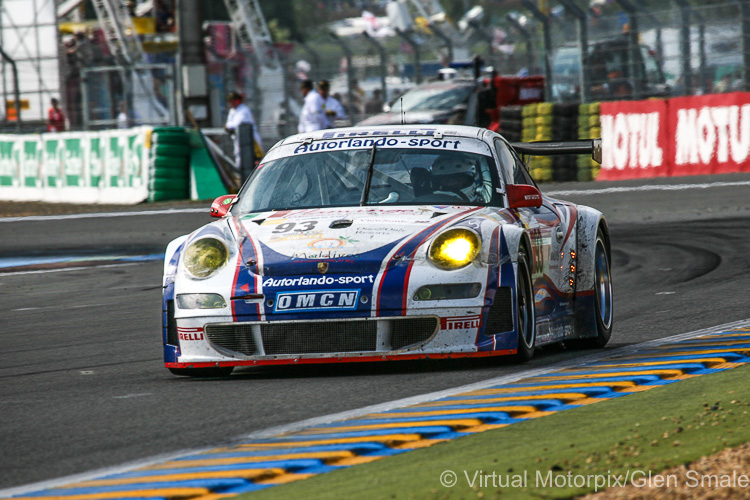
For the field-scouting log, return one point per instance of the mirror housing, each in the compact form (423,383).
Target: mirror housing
(523,196)
(221,205)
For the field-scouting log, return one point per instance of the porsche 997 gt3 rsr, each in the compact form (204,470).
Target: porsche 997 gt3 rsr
(385,243)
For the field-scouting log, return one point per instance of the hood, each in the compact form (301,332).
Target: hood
(347,240)
(412,117)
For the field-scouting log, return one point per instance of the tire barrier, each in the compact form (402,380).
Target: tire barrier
(169,164)
(554,122)
(589,127)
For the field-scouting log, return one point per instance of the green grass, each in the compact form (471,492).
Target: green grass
(651,430)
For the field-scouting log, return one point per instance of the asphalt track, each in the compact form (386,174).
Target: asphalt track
(82,385)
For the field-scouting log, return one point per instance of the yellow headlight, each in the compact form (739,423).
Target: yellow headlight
(455,248)
(205,256)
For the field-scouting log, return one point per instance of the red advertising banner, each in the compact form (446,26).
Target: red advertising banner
(710,134)
(634,140)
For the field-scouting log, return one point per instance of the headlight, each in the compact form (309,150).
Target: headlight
(455,248)
(205,256)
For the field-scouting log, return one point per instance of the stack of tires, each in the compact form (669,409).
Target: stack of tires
(565,128)
(511,122)
(169,164)
(537,126)
(589,127)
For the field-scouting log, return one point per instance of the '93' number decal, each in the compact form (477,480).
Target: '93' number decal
(288,226)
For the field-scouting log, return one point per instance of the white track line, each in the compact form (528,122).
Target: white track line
(378,408)
(650,187)
(98,215)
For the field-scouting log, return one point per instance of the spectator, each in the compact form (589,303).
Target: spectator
(374,104)
(332,107)
(312,117)
(725,84)
(122,117)
(55,117)
(240,113)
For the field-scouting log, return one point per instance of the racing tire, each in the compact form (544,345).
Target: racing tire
(525,317)
(602,296)
(223,371)
(170,162)
(171,139)
(171,151)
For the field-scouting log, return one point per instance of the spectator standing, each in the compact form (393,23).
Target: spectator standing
(55,117)
(122,117)
(312,117)
(240,113)
(374,104)
(332,107)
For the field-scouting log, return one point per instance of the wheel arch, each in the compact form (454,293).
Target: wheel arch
(590,221)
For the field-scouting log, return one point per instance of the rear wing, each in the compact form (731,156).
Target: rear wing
(550,148)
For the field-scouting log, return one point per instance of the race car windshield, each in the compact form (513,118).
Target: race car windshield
(399,176)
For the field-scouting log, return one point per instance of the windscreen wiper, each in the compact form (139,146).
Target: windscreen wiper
(368,180)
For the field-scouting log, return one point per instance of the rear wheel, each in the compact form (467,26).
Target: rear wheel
(217,372)
(525,324)
(603,300)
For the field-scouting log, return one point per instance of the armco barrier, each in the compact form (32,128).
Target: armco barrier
(75,167)
(674,137)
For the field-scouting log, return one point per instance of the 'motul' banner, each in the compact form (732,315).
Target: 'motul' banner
(681,136)
(710,134)
(75,167)
(634,139)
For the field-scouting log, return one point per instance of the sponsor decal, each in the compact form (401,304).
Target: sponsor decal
(322,254)
(320,146)
(634,139)
(328,300)
(366,133)
(461,322)
(330,243)
(318,281)
(296,237)
(190,334)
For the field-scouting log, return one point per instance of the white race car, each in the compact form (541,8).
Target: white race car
(387,243)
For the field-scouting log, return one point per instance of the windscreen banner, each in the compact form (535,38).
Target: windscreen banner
(696,135)
(75,167)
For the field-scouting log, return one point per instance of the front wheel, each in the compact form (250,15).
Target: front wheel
(217,372)
(525,319)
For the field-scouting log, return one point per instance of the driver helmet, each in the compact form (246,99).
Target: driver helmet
(452,173)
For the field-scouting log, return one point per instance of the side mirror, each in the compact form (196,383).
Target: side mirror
(220,205)
(523,196)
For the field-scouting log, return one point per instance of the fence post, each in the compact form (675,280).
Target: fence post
(530,61)
(687,72)
(247,150)
(415,48)
(657,28)
(546,46)
(16,89)
(349,75)
(583,45)
(446,40)
(634,48)
(745,16)
(315,72)
(383,68)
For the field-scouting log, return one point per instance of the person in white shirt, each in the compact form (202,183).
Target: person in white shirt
(240,113)
(333,108)
(312,117)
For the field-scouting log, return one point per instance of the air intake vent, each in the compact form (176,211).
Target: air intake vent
(501,312)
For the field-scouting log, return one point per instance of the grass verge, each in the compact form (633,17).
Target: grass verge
(647,431)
